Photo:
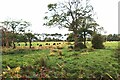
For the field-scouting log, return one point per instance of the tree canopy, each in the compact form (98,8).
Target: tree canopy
(71,15)
(11,28)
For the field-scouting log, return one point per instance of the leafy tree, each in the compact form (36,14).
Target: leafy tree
(29,36)
(21,38)
(86,29)
(69,15)
(15,26)
(70,37)
(6,37)
(5,33)
(56,35)
(109,37)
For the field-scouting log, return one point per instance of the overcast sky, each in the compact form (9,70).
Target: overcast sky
(34,11)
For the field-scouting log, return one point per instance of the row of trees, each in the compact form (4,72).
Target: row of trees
(49,37)
(15,31)
(110,37)
(113,37)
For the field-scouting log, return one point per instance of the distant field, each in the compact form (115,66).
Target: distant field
(107,44)
(43,43)
(71,64)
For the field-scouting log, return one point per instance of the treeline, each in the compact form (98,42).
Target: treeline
(113,37)
(110,37)
(51,37)
(39,37)
(15,31)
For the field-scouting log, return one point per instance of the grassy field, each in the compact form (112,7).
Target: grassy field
(62,62)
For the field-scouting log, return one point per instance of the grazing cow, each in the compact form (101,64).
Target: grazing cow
(54,44)
(25,44)
(37,44)
(18,44)
(46,44)
(40,45)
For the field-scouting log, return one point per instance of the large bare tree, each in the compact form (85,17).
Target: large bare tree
(70,15)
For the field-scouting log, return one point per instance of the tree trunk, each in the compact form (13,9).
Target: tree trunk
(3,42)
(14,45)
(13,40)
(84,40)
(7,41)
(75,40)
(30,43)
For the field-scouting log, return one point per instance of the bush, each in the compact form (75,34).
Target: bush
(79,46)
(97,42)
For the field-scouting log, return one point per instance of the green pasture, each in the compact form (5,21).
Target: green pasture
(74,64)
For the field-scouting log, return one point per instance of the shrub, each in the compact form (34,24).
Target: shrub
(79,46)
(97,41)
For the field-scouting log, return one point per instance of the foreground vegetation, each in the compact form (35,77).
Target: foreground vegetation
(59,61)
